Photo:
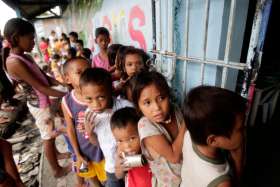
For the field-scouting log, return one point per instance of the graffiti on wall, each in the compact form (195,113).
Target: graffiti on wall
(129,22)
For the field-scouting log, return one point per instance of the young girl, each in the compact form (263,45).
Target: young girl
(37,85)
(102,39)
(161,129)
(96,89)
(131,63)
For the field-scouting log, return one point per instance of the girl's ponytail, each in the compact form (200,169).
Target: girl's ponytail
(5,53)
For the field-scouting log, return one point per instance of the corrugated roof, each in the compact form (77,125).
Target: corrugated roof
(29,9)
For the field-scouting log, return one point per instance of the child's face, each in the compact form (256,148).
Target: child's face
(133,64)
(79,47)
(96,97)
(102,41)
(236,138)
(153,104)
(74,73)
(26,42)
(127,139)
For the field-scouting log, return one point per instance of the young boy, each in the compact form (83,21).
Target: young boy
(96,89)
(214,117)
(74,109)
(79,47)
(124,128)
(102,39)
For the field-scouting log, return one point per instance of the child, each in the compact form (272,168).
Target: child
(102,39)
(74,108)
(124,128)
(96,88)
(161,129)
(215,119)
(73,36)
(132,63)
(79,47)
(86,53)
(37,85)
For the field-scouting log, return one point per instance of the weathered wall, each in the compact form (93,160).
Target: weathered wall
(129,22)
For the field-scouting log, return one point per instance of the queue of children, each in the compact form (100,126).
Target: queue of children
(122,128)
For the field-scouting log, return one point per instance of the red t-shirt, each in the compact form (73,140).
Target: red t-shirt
(139,177)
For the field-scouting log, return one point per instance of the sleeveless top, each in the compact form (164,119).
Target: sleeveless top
(199,170)
(98,62)
(165,173)
(76,110)
(34,97)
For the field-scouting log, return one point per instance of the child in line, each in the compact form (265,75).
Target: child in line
(79,47)
(124,128)
(112,55)
(35,83)
(74,110)
(96,88)
(131,63)
(161,129)
(215,118)
(102,39)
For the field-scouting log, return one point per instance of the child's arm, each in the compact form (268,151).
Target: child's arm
(71,133)
(10,166)
(17,69)
(159,144)
(237,159)
(119,170)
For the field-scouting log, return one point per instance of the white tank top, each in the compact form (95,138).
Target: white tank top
(199,170)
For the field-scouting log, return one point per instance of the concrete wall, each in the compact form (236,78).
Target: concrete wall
(129,22)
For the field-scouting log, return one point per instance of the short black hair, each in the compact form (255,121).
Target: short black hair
(68,62)
(86,52)
(101,31)
(146,78)
(72,51)
(80,42)
(112,53)
(74,34)
(97,76)
(211,110)
(122,117)
(55,56)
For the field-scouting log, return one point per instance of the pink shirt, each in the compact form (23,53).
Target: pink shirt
(98,62)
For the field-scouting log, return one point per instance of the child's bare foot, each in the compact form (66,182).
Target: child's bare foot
(63,171)
(61,156)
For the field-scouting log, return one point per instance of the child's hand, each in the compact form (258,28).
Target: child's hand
(81,159)
(89,121)
(81,128)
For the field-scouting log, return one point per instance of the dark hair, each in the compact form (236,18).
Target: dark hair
(144,79)
(55,56)
(13,28)
(112,53)
(132,51)
(102,31)
(80,42)
(74,34)
(86,52)
(120,56)
(97,76)
(72,51)
(122,117)
(67,64)
(129,84)
(17,27)
(63,35)
(211,110)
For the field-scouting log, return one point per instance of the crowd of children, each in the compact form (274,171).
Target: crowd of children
(122,128)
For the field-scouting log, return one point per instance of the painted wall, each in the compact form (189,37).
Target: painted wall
(129,22)
(216,40)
